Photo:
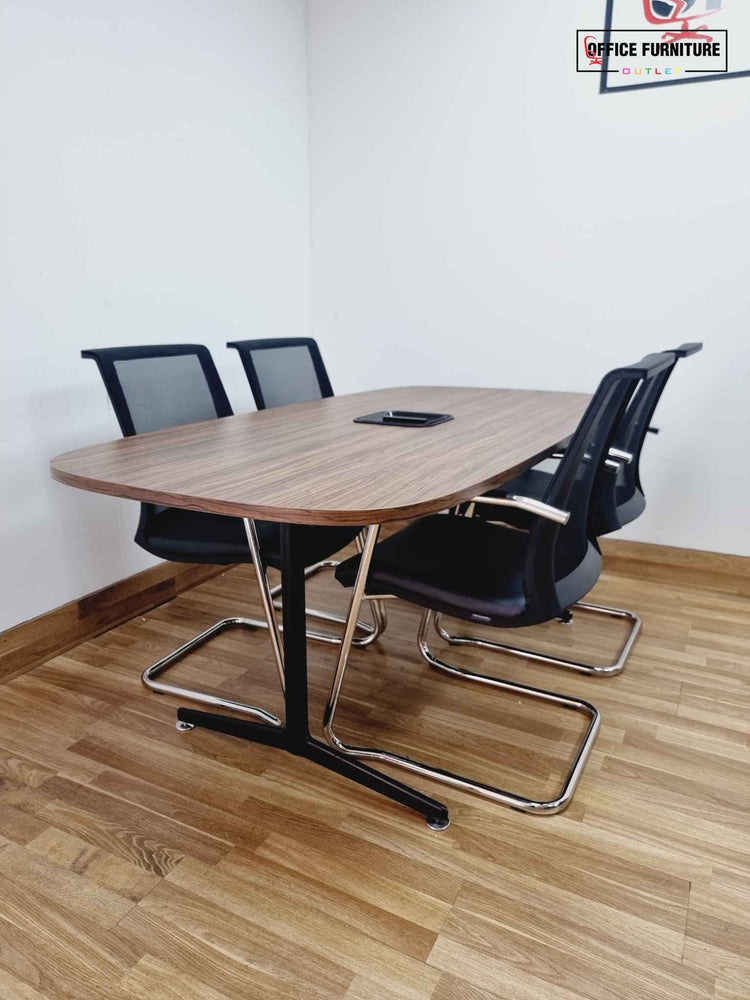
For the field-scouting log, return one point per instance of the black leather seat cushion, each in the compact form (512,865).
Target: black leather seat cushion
(462,566)
(194,536)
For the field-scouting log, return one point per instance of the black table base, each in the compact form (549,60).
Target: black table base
(294,736)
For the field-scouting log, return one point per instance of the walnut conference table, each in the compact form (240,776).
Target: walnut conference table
(309,463)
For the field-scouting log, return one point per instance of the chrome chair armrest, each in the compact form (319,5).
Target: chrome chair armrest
(528,504)
(615,453)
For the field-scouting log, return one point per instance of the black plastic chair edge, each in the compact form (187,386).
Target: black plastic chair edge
(245,347)
(105,358)
(685,350)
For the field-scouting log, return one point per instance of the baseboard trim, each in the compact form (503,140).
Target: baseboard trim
(25,646)
(719,571)
(31,643)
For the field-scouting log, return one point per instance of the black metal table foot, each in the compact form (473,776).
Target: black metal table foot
(355,770)
(257,732)
(318,753)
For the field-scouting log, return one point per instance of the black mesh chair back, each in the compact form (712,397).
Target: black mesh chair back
(152,388)
(620,499)
(561,559)
(283,370)
(155,387)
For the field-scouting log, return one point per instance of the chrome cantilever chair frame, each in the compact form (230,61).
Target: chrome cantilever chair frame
(271,623)
(593,670)
(520,802)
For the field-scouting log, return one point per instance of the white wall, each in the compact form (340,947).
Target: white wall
(482,216)
(154,160)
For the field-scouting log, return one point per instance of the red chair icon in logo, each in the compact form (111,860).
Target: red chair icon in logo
(589,47)
(664,12)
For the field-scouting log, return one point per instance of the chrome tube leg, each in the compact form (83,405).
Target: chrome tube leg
(378,608)
(355,603)
(539,807)
(604,670)
(379,615)
(265,597)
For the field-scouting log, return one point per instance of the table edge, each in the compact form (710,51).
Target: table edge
(295,515)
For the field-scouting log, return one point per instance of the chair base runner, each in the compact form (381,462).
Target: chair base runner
(607,670)
(520,802)
(371,633)
(150,673)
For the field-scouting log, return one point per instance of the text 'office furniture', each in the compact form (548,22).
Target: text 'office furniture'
(498,576)
(157,387)
(311,464)
(617,500)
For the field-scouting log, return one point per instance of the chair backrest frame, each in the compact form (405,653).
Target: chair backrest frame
(108,359)
(247,348)
(630,437)
(555,552)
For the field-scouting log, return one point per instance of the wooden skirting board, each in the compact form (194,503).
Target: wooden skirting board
(51,634)
(717,571)
(32,642)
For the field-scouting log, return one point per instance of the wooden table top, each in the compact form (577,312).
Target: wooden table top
(310,464)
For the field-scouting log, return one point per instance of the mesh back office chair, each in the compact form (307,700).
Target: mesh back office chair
(617,500)
(620,499)
(284,370)
(155,387)
(503,578)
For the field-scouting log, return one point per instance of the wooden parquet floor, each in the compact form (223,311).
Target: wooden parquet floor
(137,862)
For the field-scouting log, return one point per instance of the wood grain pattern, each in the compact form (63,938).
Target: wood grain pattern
(34,641)
(137,863)
(310,464)
(707,570)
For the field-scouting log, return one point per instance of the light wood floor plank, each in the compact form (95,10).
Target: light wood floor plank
(137,863)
